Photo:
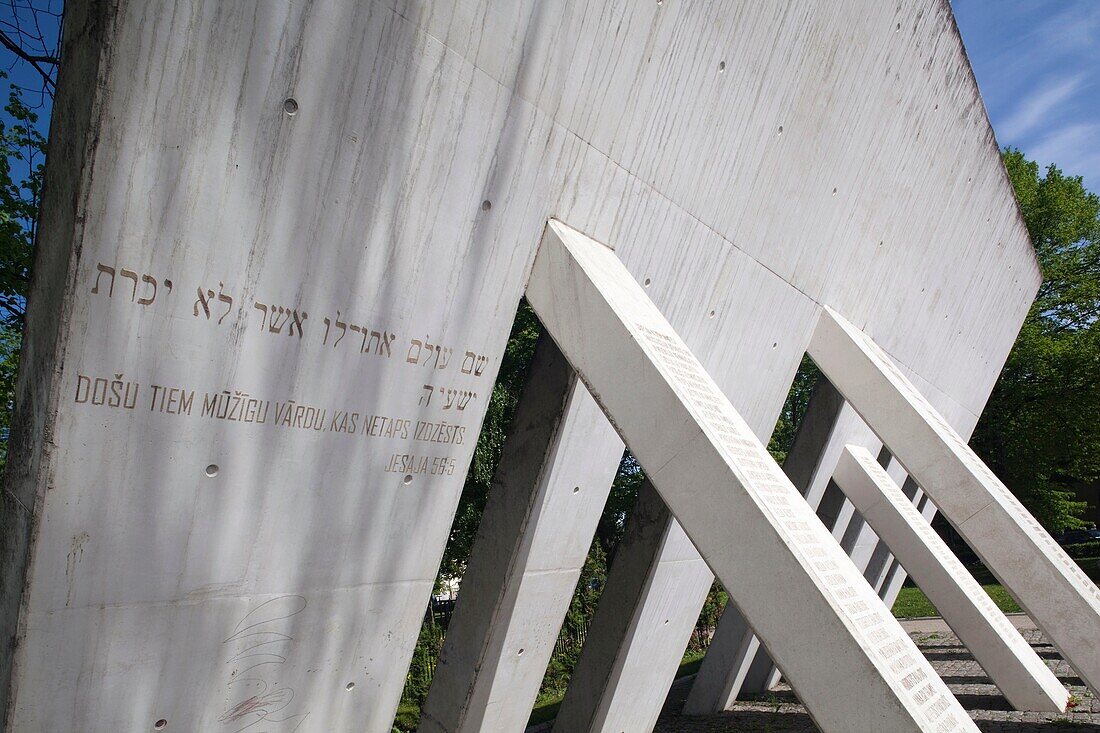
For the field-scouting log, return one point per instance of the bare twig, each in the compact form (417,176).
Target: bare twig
(34,60)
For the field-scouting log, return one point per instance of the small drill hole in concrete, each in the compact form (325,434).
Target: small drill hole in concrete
(721,66)
(290,106)
(408,479)
(349,686)
(711,314)
(486,205)
(160,724)
(834,192)
(576,489)
(781,129)
(775,345)
(647,282)
(212,470)
(520,653)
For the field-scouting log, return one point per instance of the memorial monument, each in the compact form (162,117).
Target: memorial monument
(281,248)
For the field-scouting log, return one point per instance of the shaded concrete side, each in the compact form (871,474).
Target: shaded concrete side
(74,131)
(530,547)
(644,621)
(631,573)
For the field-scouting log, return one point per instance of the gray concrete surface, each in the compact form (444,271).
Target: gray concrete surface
(781,712)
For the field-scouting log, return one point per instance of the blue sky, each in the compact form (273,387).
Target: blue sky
(1038,67)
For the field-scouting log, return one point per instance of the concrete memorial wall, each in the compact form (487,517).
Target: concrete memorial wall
(281,248)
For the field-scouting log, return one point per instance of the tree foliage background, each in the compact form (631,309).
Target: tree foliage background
(1040,431)
(30,38)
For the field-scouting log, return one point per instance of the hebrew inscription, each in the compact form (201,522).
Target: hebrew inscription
(290,320)
(293,322)
(148,284)
(456,399)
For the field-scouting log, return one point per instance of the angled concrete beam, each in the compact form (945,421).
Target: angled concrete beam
(554,475)
(719,481)
(648,651)
(1008,659)
(1048,584)
(735,661)
(894,576)
(651,542)
(856,539)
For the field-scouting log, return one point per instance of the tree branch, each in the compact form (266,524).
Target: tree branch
(33,60)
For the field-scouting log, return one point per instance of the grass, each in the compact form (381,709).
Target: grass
(912,603)
(546,709)
(408,716)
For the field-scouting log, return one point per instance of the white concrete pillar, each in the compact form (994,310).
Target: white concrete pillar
(1048,584)
(719,481)
(1008,659)
(861,544)
(667,608)
(551,484)
(735,660)
(893,577)
(654,554)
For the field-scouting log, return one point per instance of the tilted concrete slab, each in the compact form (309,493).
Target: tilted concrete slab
(1048,584)
(894,578)
(823,624)
(1008,659)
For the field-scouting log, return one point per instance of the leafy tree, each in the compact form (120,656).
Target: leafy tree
(490,442)
(22,156)
(1039,432)
(22,147)
(794,408)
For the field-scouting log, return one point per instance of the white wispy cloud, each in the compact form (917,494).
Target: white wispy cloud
(1034,110)
(1072,148)
(1073,29)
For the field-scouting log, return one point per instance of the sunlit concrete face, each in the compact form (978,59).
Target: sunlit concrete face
(735,660)
(1014,666)
(282,246)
